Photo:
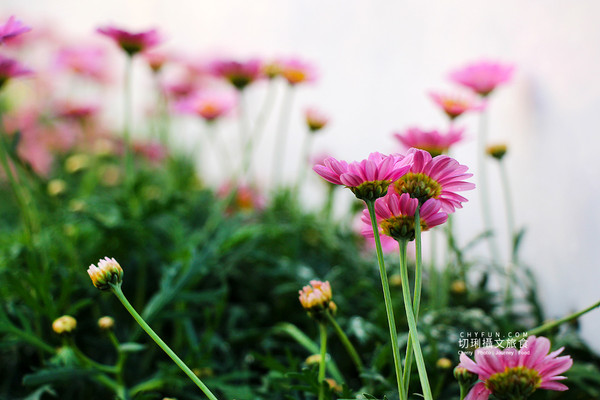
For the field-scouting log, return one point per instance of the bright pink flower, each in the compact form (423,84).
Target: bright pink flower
(132,43)
(296,71)
(437,177)
(368,179)
(507,373)
(315,120)
(10,68)
(88,61)
(457,104)
(209,105)
(239,73)
(432,141)
(12,28)
(483,76)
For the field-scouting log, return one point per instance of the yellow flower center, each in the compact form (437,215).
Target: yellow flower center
(514,383)
(418,186)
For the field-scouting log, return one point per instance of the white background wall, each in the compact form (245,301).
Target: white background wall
(377,59)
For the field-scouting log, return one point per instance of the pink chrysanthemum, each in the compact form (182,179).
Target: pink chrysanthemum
(12,28)
(73,111)
(483,76)
(209,105)
(296,71)
(437,177)
(317,295)
(368,179)
(10,69)
(315,120)
(457,104)
(239,73)
(396,216)
(87,61)
(132,43)
(509,374)
(432,141)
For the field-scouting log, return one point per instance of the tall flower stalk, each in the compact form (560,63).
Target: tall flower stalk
(281,134)
(322,359)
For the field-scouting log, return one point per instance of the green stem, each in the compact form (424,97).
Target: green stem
(281,135)
(323,360)
(245,140)
(127,104)
(510,221)
(463,392)
(346,342)
(561,321)
(304,154)
(327,208)
(119,293)
(388,301)
(412,324)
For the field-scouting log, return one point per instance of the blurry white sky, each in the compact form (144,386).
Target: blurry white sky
(377,60)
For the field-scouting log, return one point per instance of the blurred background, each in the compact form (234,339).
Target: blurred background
(376,63)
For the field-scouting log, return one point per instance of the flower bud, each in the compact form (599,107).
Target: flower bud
(313,359)
(106,323)
(317,295)
(443,363)
(107,273)
(333,385)
(64,324)
(464,377)
(497,151)
(77,162)
(56,187)
(458,287)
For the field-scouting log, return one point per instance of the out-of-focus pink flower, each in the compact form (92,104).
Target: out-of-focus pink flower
(155,59)
(315,120)
(152,151)
(247,198)
(239,73)
(209,105)
(368,179)
(432,141)
(12,28)
(132,43)
(456,104)
(435,178)
(10,69)
(296,71)
(483,76)
(87,61)
(73,111)
(512,373)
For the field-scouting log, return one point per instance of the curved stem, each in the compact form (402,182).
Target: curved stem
(561,321)
(412,324)
(323,360)
(346,342)
(388,301)
(119,293)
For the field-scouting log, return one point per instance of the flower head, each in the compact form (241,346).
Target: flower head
(396,216)
(437,177)
(498,151)
(210,105)
(76,112)
(12,28)
(107,273)
(455,105)
(316,296)
(510,373)
(64,324)
(239,73)
(315,120)
(156,60)
(296,71)
(433,141)
(483,76)
(132,43)
(368,179)
(87,61)
(10,68)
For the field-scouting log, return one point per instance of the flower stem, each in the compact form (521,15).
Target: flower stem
(323,360)
(127,104)
(119,293)
(510,221)
(388,301)
(412,324)
(346,342)
(304,154)
(561,321)
(281,135)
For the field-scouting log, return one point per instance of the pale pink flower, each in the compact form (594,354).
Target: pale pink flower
(315,120)
(296,71)
(155,59)
(437,177)
(483,76)
(209,105)
(456,104)
(132,43)
(74,111)
(10,69)
(317,295)
(433,141)
(12,28)
(512,373)
(239,73)
(152,151)
(87,61)
(368,179)
(247,198)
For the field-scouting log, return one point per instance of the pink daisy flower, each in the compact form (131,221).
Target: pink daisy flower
(433,141)
(457,104)
(210,105)
(509,373)
(132,43)
(87,61)
(315,120)
(239,73)
(11,29)
(296,71)
(483,76)
(78,112)
(437,177)
(368,179)
(10,68)
(396,216)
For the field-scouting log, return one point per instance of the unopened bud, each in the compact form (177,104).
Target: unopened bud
(497,151)
(106,323)
(464,377)
(64,324)
(106,273)
(443,363)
